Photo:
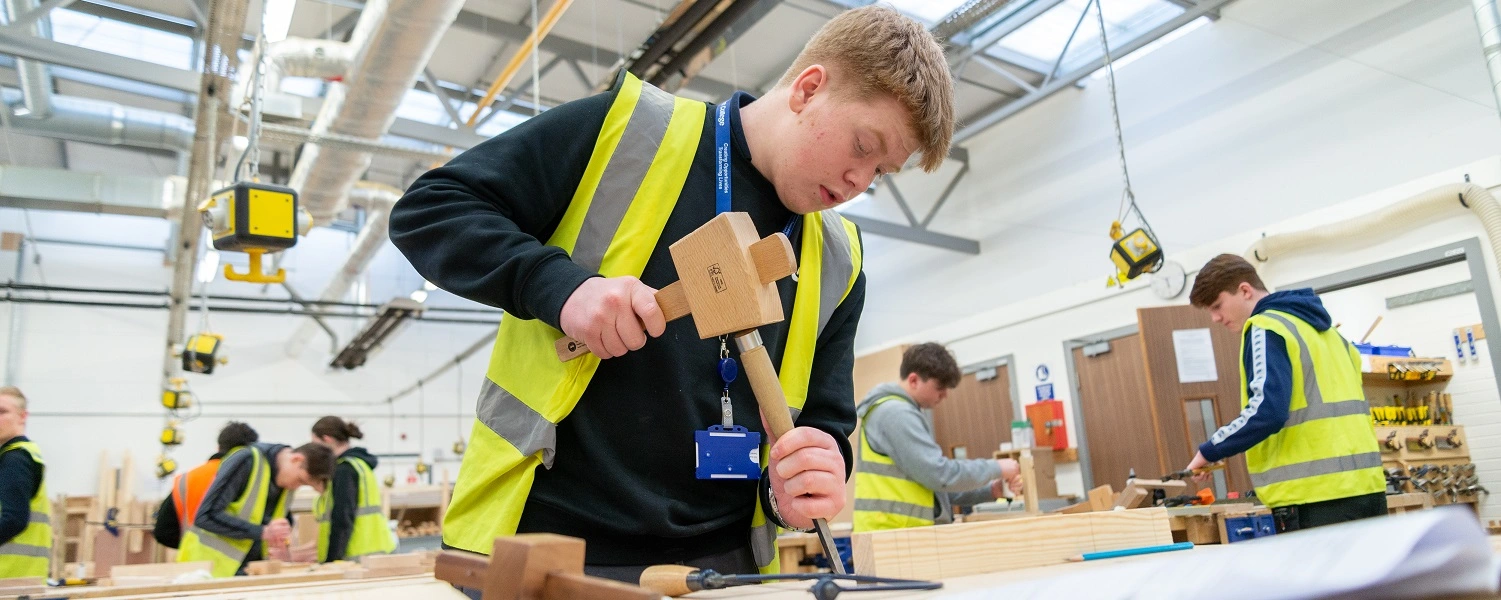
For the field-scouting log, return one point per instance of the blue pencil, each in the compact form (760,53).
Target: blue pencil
(1132,551)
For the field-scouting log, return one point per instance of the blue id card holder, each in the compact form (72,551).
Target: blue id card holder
(732,452)
(726,450)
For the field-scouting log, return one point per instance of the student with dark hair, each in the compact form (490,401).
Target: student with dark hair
(245,508)
(180,506)
(351,523)
(902,478)
(1304,424)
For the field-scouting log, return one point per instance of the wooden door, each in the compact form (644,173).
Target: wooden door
(976,415)
(1115,412)
(1185,411)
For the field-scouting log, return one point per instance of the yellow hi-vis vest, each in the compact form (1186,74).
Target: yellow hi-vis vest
(885,498)
(1326,450)
(227,554)
(371,535)
(29,553)
(635,175)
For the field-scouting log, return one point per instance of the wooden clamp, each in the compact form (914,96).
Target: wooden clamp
(533,566)
(727,278)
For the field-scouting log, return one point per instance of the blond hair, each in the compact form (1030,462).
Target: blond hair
(15,392)
(883,51)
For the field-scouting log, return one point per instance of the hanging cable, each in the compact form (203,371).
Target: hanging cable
(1139,251)
(252,153)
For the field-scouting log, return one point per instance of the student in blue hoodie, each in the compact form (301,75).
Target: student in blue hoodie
(1305,424)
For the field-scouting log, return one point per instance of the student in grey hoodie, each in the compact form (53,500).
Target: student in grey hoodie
(902,478)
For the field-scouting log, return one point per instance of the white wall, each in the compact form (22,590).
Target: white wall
(1035,330)
(92,374)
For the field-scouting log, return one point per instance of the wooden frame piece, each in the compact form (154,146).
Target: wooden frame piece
(986,547)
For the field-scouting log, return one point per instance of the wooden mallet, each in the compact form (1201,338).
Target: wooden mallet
(726,279)
(532,566)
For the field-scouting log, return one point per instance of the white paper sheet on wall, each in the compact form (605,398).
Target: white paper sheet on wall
(1195,351)
(1429,554)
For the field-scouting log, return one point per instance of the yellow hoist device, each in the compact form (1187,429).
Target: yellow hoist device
(176,395)
(257,219)
(201,353)
(171,434)
(1133,253)
(165,465)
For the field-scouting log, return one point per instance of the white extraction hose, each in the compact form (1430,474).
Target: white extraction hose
(1428,206)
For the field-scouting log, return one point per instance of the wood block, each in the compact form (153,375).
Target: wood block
(973,548)
(1101,498)
(523,562)
(161,570)
(1131,497)
(720,281)
(1029,483)
(263,567)
(1075,509)
(304,529)
(12,582)
(1202,529)
(388,561)
(109,551)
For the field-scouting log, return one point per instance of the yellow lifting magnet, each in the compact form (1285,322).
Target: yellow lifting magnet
(1133,253)
(171,435)
(165,465)
(201,353)
(176,395)
(257,219)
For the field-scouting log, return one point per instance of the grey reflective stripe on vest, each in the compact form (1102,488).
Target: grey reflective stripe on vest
(763,542)
(1316,408)
(623,175)
(218,544)
(882,469)
(1314,468)
(367,510)
(894,507)
(42,518)
(15,549)
(517,423)
(836,268)
(247,509)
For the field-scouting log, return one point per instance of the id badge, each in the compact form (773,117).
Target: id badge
(727,453)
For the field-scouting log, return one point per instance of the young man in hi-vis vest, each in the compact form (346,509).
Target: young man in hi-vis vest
(1304,425)
(565,222)
(25,521)
(902,478)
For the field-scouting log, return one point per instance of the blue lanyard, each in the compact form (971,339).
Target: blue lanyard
(722,165)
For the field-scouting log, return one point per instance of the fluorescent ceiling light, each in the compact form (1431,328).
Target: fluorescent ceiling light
(428,285)
(419,296)
(278,18)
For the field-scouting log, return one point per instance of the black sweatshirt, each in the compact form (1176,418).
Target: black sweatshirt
(168,528)
(20,476)
(229,483)
(346,497)
(623,476)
